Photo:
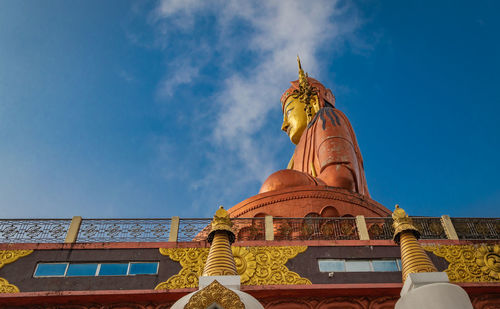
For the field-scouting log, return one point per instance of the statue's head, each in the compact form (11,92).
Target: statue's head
(301,102)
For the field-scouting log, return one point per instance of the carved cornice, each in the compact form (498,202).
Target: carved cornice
(329,194)
(485,301)
(352,302)
(469,263)
(215,293)
(255,265)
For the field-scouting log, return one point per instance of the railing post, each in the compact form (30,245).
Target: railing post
(174,229)
(448,227)
(361,226)
(269,227)
(73,230)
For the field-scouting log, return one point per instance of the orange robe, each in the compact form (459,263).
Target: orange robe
(329,140)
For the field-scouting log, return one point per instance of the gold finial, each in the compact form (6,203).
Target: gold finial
(305,92)
(220,260)
(413,257)
(221,222)
(401,222)
(301,72)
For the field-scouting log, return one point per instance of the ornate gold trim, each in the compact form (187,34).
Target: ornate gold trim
(192,261)
(255,265)
(470,263)
(6,287)
(7,257)
(215,293)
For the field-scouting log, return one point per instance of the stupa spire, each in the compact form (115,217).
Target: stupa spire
(413,257)
(220,260)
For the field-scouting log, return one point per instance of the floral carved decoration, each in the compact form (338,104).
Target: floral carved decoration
(469,263)
(7,257)
(255,265)
(215,293)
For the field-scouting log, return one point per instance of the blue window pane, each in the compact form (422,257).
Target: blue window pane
(331,265)
(143,268)
(356,266)
(385,265)
(45,270)
(399,263)
(113,269)
(81,270)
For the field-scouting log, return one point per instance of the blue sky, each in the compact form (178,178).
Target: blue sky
(162,108)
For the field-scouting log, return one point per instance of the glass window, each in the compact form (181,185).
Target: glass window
(143,268)
(115,269)
(81,270)
(331,265)
(385,265)
(358,265)
(399,263)
(50,269)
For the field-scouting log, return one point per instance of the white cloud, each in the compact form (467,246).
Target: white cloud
(184,74)
(274,33)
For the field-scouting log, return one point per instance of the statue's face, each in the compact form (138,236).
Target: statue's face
(294,119)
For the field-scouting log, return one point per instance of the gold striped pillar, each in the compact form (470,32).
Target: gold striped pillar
(220,260)
(413,257)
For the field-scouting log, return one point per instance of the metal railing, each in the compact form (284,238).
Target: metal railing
(33,230)
(193,229)
(477,228)
(379,228)
(315,228)
(177,229)
(429,227)
(123,230)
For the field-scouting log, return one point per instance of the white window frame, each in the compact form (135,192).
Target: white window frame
(77,263)
(370,261)
(126,274)
(98,269)
(137,262)
(50,276)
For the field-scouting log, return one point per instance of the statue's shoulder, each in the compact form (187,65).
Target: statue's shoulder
(327,116)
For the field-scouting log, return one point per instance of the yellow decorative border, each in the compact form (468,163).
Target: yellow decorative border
(7,257)
(469,263)
(255,265)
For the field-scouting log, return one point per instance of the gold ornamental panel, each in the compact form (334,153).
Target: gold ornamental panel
(469,263)
(255,265)
(6,287)
(7,257)
(215,293)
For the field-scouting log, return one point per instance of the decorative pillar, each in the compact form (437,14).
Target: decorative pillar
(424,286)
(220,260)
(448,227)
(220,283)
(269,227)
(74,228)
(413,257)
(174,229)
(361,227)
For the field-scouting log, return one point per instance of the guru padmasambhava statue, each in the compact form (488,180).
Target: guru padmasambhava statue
(327,152)
(325,176)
